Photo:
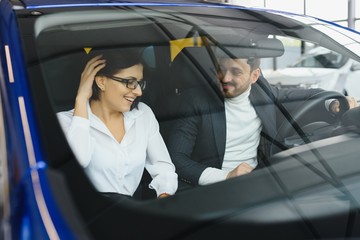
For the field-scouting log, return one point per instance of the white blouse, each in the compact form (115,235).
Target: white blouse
(118,167)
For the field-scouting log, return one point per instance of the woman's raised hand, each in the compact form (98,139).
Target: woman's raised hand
(85,87)
(88,76)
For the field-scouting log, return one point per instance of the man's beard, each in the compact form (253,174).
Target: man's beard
(226,92)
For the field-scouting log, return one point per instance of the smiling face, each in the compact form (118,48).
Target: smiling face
(236,76)
(115,96)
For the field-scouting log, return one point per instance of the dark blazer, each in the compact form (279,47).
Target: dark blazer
(197,139)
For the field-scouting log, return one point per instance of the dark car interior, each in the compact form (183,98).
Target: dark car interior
(166,77)
(55,68)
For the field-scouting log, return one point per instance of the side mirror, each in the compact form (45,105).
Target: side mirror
(355,66)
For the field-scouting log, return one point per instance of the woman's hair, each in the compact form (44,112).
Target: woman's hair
(116,60)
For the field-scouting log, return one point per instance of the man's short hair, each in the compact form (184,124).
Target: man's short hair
(254,63)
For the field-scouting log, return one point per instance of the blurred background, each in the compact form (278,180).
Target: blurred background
(302,58)
(342,12)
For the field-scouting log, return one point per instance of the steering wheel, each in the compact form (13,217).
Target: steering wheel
(304,111)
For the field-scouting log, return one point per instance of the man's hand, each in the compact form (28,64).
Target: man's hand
(335,105)
(163,195)
(241,169)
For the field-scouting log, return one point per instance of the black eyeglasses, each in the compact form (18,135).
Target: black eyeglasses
(130,83)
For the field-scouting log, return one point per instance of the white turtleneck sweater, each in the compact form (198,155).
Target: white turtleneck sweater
(243,127)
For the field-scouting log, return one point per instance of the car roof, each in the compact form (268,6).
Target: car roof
(28,4)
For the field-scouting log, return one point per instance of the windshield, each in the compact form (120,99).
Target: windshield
(141,103)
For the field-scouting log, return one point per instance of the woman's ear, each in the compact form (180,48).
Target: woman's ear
(100,82)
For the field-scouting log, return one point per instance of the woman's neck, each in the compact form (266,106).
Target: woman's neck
(104,113)
(114,120)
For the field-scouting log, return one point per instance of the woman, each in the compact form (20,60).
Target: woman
(113,135)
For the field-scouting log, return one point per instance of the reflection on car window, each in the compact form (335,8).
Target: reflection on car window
(321,60)
(246,109)
(184,58)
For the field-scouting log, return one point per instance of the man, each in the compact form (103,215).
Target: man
(222,137)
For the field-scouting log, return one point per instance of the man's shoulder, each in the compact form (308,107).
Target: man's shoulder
(196,102)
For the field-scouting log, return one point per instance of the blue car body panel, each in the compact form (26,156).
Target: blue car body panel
(33,211)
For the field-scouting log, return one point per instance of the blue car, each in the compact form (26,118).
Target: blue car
(306,186)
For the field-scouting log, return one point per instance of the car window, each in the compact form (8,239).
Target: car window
(187,52)
(181,53)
